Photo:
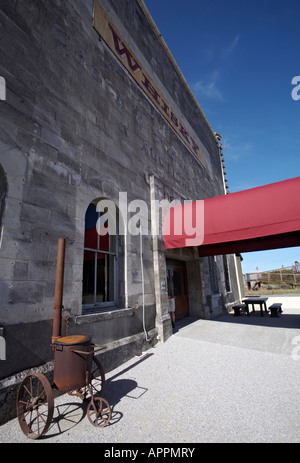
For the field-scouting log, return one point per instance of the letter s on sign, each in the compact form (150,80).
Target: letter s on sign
(295,94)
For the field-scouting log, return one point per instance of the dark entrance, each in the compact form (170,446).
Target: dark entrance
(177,269)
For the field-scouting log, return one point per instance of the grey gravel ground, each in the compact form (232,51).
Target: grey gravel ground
(235,379)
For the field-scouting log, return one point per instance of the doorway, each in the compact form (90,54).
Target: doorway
(177,274)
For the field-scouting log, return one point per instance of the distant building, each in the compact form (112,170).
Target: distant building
(253,280)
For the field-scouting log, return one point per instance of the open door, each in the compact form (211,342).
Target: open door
(177,270)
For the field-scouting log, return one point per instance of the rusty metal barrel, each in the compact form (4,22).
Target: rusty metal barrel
(72,362)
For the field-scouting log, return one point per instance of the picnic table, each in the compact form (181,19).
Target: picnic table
(256,300)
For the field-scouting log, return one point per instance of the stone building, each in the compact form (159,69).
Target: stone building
(96,111)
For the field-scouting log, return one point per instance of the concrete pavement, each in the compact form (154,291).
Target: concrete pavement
(234,379)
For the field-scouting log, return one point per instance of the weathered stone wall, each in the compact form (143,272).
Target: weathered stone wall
(75,128)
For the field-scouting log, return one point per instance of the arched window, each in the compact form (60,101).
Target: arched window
(100,279)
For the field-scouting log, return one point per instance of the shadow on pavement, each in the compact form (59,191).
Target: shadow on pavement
(285,320)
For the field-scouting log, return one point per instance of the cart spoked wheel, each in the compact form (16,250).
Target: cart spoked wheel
(35,405)
(97,384)
(99,412)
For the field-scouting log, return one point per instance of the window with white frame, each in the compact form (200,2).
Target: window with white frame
(100,278)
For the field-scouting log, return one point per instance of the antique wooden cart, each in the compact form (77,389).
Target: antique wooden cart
(76,371)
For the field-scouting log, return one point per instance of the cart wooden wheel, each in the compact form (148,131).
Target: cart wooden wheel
(35,405)
(99,412)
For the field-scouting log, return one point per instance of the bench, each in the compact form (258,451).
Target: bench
(275,309)
(238,307)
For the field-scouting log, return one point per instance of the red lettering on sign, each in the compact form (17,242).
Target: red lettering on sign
(165,107)
(174,119)
(184,133)
(194,145)
(149,87)
(124,51)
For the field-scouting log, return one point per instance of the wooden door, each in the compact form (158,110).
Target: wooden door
(179,276)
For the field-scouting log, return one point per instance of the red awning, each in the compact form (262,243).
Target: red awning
(266,217)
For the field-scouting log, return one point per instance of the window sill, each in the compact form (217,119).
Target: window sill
(103,315)
(88,309)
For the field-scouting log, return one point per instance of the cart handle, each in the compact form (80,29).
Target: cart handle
(89,353)
(99,347)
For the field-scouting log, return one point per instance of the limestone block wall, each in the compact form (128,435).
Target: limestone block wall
(76,128)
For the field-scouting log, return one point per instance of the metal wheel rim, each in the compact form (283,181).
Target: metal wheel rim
(99,412)
(35,405)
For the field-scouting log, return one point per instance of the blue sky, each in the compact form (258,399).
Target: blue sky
(239,59)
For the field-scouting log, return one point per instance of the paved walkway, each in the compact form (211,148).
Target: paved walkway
(235,379)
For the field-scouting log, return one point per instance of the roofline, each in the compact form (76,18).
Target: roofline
(173,62)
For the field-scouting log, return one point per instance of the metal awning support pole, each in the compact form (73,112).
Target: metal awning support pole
(59,283)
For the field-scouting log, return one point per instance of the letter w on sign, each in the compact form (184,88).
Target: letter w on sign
(124,51)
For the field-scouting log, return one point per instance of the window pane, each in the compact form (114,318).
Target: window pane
(88,289)
(91,236)
(92,239)
(111,260)
(103,242)
(105,278)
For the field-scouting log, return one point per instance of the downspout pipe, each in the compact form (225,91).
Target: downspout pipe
(59,283)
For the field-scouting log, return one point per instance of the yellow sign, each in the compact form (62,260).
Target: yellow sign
(118,46)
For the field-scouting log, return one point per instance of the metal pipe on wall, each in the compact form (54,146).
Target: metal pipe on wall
(59,283)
